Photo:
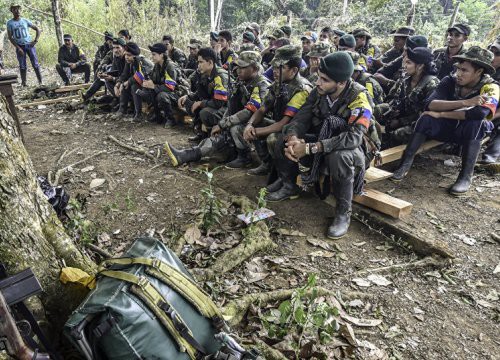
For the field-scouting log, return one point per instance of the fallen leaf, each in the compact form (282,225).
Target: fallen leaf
(492,296)
(103,238)
(465,239)
(356,303)
(322,253)
(96,183)
(361,282)
(361,322)
(319,243)
(87,169)
(288,232)
(116,232)
(417,310)
(192,234)
(497,269)
(347,332)
(379,280)
(485,304)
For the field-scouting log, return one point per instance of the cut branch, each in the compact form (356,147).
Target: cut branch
(136,149)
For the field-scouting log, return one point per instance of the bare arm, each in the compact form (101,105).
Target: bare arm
(11,39)
(38,32)
(276,127)
(446,105)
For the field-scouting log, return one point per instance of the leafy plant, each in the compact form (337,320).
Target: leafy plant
(78,225)
(304,315)
(212,208)
(261,199)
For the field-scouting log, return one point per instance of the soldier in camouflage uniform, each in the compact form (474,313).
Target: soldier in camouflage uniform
(492,152)
(225,53)
(286,96)
(398,44)
(392,72)
(176,54)
(409,96)
(160,88)
(192,61)
(317,52)
(327,135)
(365,47)
(102,51)
(367,80)
(208,103)
(460,111)
(108,71)
(245,99)
(137,68)
(443,57)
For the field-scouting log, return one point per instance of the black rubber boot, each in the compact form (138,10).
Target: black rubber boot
(179,157)
(416,140)
(262,170)
(23,77)
(275,186)
(138,117)
(470,151)
(492,152)
(38,76)
(242,160)
(343,196)
(288,172)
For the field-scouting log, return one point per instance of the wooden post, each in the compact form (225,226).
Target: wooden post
(453,18)
(57,21)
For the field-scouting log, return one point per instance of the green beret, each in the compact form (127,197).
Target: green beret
(337,66)
(286,53)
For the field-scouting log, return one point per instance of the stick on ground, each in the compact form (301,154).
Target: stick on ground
(136,149)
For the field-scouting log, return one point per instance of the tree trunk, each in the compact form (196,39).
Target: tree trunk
(57,21)
(31,235)
(344,8)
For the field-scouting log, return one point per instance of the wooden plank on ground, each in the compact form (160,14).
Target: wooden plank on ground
(69,88)
(54,101)
(374,174)
(384,203)
(396,153)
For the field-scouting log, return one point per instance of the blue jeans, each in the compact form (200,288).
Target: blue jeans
(30,51)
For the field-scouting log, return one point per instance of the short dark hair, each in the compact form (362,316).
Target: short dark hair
(125,33)
(207,53)
(474,65)
(294,62)
(327,29)
(226,35)
(168,38)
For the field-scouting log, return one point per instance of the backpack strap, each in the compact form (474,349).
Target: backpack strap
(169,318)
(178,281)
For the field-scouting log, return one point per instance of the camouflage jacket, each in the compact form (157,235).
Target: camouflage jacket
(287,100)
(409,103)
(212,90)
(166,76)
(372,85)
(244,100)
(102,51)
(496,76)
(444,63)
(179,57)
(192,63)
(390,55)
(139,69)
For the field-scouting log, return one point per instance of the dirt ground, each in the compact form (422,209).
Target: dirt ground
(448,313)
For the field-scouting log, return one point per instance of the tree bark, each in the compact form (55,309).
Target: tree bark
(57,21)
(31,235)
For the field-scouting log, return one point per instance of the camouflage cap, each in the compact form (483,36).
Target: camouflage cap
(247,47)
(319,50)
(276,34)
(361,32)
(461,28)
(404,31)
(495,44)
(248,58)
(194,44)
(254,27)
(355,60)
(286,53)
(478,56)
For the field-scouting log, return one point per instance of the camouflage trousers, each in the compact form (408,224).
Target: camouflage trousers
(262,146)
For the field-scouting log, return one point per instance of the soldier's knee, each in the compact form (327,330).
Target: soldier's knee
(340,163)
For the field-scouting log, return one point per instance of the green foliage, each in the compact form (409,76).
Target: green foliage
(304,315)
(261,199)
(79,227)
(212,207)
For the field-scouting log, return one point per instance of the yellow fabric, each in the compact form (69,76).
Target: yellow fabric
(77,276)
(296,103)
(369,87)
(361,110)
(492,91)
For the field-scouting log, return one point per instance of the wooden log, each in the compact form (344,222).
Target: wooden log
(396,153)
(374,174)
(54,101)
(69,88)
(384,203)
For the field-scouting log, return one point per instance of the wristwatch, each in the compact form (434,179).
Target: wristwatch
(314,148)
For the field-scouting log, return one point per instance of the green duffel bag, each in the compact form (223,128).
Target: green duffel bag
(146,305)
